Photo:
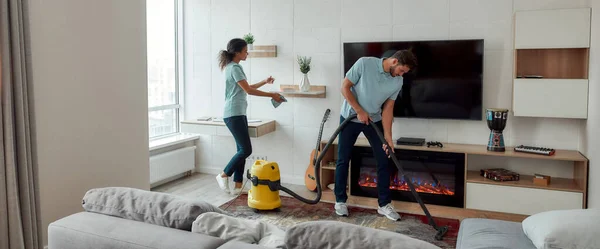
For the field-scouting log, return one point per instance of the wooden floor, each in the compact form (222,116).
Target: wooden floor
(205,187)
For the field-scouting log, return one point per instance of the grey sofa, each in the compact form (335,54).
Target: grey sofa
(120,218)
(476,233)
(99,231)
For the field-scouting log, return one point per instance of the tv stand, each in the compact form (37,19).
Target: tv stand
(509,200)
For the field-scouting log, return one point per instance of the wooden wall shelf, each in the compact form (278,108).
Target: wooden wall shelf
(294,91)
(266,51)
(256,129)
(514,200)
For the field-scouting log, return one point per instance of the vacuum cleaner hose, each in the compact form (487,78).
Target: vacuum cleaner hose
(441,231)
(318,165)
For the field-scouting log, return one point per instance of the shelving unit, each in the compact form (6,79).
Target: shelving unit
(266,51)
(485,198)
(553,44)
(294,91)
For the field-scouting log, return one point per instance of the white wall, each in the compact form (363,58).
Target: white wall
(89,79)
(317,28)
(592,127)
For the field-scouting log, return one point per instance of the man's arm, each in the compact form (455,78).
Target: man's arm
(361,114)
(387,117)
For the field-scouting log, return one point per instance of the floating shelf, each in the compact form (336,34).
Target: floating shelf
(263,51)
(294,91)
(256,128)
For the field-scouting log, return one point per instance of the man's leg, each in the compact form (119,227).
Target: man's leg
(346,140)
(383,172)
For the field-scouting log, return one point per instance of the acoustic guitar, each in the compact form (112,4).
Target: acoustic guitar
(310,179)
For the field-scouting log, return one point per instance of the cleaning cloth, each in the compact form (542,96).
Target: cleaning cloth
(276,104)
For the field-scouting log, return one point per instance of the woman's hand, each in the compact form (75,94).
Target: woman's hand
(277,97)
(270,80)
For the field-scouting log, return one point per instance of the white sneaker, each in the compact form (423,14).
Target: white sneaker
(389,212)
(341,209)
(223,183)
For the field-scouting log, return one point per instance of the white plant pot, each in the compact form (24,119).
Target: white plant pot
(250,46)
(305,84)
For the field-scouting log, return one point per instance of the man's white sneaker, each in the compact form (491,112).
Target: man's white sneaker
(341,209)
(223,183)
(389,212)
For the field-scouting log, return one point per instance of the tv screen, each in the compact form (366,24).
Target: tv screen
(447,83)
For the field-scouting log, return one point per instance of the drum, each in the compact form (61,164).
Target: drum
(496,120)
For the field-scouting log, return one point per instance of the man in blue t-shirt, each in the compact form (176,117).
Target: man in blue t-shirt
(370,84)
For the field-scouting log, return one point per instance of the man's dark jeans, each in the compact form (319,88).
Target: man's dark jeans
(346,140)
(238,126)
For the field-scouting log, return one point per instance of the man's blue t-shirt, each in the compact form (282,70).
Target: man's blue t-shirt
(372,87)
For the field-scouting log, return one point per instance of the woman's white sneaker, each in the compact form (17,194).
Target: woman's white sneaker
(223,183)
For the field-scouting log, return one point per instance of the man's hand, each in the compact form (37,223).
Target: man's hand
(363,116)
(385,147)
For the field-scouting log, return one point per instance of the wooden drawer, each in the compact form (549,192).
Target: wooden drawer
(557,98)
(526,201)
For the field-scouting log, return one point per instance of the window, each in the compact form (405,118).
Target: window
(163,37)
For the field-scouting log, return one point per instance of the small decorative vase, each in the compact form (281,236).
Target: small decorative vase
(250,46)
(305,84)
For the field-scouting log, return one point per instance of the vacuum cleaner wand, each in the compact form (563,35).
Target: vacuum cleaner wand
(441,231)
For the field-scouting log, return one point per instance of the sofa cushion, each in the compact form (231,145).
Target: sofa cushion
(98,231)
(573,229)
(341,235)
(239,229)
(240,245)
(476,233)
(151,207)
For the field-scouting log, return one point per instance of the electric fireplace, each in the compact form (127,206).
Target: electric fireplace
(438,177)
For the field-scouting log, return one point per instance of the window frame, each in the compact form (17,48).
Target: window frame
(177,107)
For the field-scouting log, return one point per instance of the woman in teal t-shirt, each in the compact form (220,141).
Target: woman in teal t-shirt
(234,115)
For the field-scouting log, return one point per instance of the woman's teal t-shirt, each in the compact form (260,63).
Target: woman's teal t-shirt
(235,96)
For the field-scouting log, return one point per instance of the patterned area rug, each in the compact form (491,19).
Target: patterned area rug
(293,211)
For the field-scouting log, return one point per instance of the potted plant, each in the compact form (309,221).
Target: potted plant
(249,38)
(304,63)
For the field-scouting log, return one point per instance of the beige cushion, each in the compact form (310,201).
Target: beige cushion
(572,229)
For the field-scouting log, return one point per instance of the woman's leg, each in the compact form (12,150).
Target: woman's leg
(238,126)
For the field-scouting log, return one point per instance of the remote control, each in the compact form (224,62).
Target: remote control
(535,150)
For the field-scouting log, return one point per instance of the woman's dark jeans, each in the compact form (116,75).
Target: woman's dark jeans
(238,126)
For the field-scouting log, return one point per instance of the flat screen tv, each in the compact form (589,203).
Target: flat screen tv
(447,84)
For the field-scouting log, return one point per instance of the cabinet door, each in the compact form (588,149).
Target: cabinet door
(554,98)
(526,201)
(562,28)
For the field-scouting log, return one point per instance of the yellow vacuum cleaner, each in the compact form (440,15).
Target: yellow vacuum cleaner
(262,197)
(265,178)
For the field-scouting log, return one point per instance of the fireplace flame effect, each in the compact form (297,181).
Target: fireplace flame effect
(397,183)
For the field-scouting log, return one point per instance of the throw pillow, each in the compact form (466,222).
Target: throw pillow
(341,235)
(572,229)
(238,229)
(150,207)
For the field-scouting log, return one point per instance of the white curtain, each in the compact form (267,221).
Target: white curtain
(19,209)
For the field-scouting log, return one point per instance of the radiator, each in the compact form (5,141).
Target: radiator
(172,163)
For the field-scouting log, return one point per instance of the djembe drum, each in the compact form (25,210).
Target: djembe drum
(496,120)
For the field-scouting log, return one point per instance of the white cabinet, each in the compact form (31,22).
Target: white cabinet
(526,201)
(557,98)
(554,46)
(560,28)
